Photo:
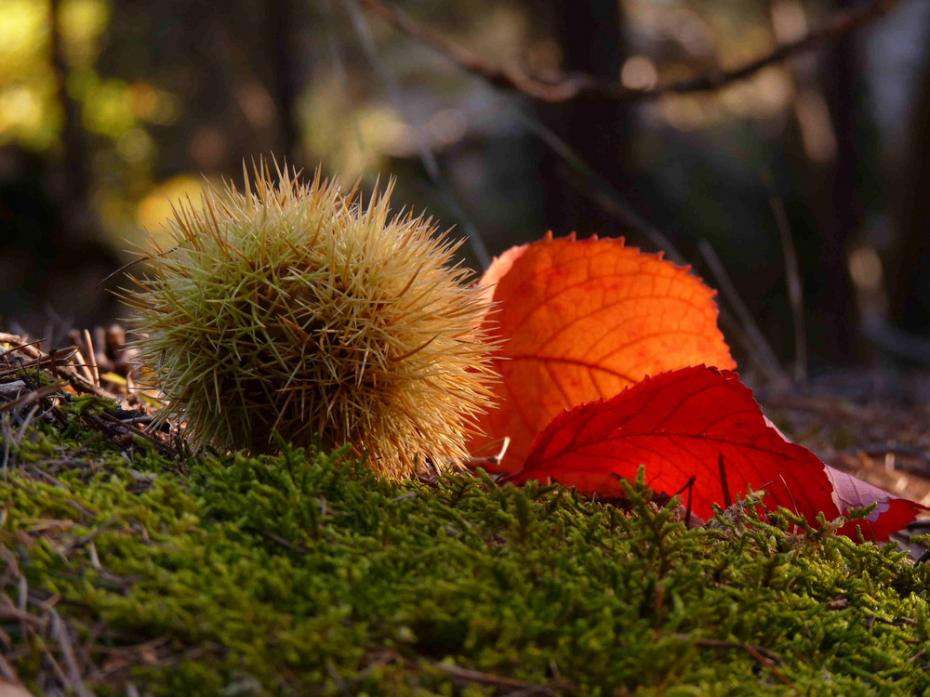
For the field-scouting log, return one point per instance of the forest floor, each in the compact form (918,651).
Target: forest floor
(131,566)
(875,426)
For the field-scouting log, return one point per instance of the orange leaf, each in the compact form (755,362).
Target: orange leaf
(582,320)
(700,428)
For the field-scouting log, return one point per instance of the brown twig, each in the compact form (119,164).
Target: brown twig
(737,645)
(79,383)
(120,427)
(30,397)
(763,656)
(112,426)
(500,681)
(52,361)
(579,86)
(18,347)
(60,632)
(284,542)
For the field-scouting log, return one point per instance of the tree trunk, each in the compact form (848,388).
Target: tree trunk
(285,87)
(837,300)
(76,170)
(590,34)
(909,282)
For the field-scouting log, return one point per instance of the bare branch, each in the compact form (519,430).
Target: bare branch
(580,86)
(426,155)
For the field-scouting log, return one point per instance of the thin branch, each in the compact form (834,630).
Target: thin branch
(599,190)
(762,350)
(795,285)
(580,86)
(502,682)
(426,155)
(761,655)
(74,146)
(60,633)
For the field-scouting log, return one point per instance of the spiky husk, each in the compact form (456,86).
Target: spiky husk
(297,309)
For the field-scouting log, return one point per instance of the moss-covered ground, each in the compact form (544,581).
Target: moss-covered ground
(125,571)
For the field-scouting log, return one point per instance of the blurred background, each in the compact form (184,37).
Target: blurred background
(803,191)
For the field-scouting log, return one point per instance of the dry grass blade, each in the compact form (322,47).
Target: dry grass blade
(92,359)
(763,353)
(430,164)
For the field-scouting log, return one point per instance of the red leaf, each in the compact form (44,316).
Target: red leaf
(700,422)
(581,320)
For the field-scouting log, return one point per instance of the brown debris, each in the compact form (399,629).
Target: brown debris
(35,383)
(875,427)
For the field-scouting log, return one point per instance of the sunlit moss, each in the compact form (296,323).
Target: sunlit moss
(304,574)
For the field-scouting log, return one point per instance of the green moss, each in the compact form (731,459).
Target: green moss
(304,574)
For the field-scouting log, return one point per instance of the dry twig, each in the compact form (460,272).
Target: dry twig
(501,681)
(581,86)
